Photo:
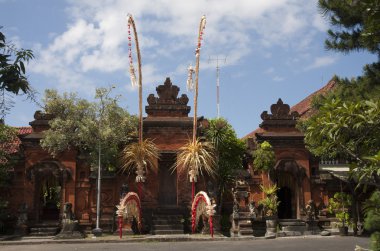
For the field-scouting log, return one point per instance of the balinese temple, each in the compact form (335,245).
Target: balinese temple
(41,184)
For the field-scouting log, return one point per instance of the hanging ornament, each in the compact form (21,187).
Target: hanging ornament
(189,82)
(193,175)
(132,72)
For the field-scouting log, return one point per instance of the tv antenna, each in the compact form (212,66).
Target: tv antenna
(217,60)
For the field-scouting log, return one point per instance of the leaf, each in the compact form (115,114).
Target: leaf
(22,67)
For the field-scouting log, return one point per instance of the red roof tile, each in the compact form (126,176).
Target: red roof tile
(21,131)
(304,107)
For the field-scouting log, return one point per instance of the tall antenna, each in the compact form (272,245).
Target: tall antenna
(217,60)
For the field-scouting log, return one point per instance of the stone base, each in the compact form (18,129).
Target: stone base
(70,230)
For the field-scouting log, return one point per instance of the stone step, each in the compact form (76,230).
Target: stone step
(291,222)
(167,232)
(166,216)
(166,221)
(294,228)
(245,225)
(246,232)
(43,229)
(167,227)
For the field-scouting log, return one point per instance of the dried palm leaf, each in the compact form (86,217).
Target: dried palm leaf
(196,158)
(138,156)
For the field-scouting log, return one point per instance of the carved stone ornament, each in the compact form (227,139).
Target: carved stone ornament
(279,111)
(167,103)
(39,115)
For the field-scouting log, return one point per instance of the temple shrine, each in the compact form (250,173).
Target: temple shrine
(42,184)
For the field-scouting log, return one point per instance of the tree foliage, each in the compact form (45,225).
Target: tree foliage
(348,130)
(340,205)
(263,157)
(7,137)
(372,219)
(84,126)
(12,73)
(356,24)
(229,152)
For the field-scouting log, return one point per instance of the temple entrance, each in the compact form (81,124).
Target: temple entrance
(49,177)
(284,195)
(50,198)
(167,194)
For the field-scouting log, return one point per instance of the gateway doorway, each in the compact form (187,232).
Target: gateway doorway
(284,195)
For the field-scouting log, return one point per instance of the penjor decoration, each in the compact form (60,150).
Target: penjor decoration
(143,153)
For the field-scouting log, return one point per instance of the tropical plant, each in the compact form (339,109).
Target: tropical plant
(372,219)
(12,73)
(340,206)
(229,153)
(270,203)
(349,130)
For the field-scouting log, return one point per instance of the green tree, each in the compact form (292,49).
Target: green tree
(348,130)
(229,154)
(264,158)
(12,73)
(356,24)
(7,137)
(83,125)
(372,219)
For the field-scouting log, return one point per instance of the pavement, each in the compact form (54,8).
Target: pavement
(26,240)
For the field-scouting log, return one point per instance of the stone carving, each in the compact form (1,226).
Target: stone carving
(280,111)
(311,217)
(70,226)
(310,210)
(167,102)
(253,210)
(67,212)
(39,115)
(22,219)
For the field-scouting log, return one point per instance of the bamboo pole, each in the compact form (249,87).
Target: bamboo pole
(132,23)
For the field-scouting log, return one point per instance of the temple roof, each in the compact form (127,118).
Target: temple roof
(21,131)
(303,108)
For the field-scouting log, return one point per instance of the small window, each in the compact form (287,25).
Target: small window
(82,175)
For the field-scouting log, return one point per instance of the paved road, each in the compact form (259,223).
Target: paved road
(294,244)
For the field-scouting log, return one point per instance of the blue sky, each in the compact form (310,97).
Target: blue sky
(274,49)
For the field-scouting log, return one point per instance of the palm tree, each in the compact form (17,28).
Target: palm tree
(144,152)
(196,156)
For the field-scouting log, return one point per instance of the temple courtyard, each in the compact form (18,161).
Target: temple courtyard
(186,243)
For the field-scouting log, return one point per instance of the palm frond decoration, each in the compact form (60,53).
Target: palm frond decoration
(140,156)
(269,190)
(196,158)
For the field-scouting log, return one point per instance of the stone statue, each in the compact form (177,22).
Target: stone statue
(70,226)
(252,210)
(67,212)
(310,210)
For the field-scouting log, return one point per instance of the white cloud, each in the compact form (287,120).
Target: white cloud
(320,23)
(278,79)
(269,70)
(96,37)
(321,62)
